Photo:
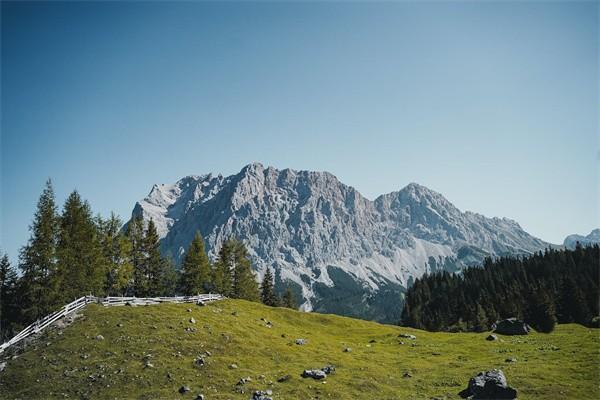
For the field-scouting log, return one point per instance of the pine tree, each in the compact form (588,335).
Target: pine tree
(37,292)
(116,249)
(170,277)
(245,285)
(196,270)
(81,267)
(154,265)
(572,306)
(8,297)
(288,299)
(541,314)
(267,294)
(135,235)
(223,270)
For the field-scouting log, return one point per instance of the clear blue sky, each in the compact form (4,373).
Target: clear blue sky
(494,105)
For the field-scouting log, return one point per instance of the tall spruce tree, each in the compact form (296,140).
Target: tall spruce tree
(8,297)
(170,277)
(223,269)
(288,299)
(245,285)
(267,294)
(196,270)
(154,265)
(541,314)
(37,289)
(135,234)
(81,267)
(116,249)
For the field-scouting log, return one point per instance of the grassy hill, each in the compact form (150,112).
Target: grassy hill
(71,362)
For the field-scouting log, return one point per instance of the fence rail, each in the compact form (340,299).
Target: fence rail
(81,302)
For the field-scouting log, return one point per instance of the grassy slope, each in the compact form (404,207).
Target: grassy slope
(560,365)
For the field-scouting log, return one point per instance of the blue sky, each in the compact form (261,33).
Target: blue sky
(495,105)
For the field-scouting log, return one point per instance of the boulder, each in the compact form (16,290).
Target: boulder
(489,385)
(491,337)
(262,395)
(314,373)
(407,336)
(511,326)
(184,389)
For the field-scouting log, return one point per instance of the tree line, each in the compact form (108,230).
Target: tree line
(542,289)
(74,253)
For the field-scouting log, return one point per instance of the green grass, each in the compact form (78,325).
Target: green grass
(72,364)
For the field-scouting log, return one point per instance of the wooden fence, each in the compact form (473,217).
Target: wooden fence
(81,302)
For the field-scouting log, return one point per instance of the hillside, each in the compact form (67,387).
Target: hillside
(73,362)
(340,252)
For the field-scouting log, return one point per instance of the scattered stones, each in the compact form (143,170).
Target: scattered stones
(489,385)
(314,373)
(233,366)
(99,337)
(491,337)
(511,326)
(348,350)
(184,389)
(407,336)
(192,320)
(243,381)
(284,378)
(300,342)
(262,395)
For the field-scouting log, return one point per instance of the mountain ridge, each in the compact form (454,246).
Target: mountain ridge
(324,238)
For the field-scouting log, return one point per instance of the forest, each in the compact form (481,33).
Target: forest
(542,289)
(74,253)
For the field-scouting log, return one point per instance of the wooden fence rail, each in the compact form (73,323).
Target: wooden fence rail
(81,302)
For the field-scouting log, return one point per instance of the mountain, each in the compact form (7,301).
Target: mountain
(571,240)
(339,251)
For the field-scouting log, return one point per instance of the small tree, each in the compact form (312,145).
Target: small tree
(245,285)
(195,271)
(223,270)
(267,294)
(288,299)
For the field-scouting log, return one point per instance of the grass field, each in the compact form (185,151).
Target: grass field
(73,363)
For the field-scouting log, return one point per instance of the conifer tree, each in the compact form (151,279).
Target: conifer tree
(541,313)
(245,285)
(288,299)
(116,249)
(8,297)
(196,270)
(154,264)
(81,267)
(135,234)
(223,270)
(267,294)
(37,290)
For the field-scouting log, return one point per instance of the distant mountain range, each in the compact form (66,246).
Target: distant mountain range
(571,240)
(339,251)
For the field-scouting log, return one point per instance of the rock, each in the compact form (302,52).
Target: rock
(99,337)
(407,375)
(120,325)
(372,341)
(233,366)
(199,362)
(407,336)
(300,342)
(189,310)
(192,320)
(491,337)
(148,364)
(200,397)
(284,378)
(511,326)
(2,366)
(489,385)
(201,303)
(243,381)
(262,395)
(348,350)
(511,360)
(184,389)
(328,369)
(314,373)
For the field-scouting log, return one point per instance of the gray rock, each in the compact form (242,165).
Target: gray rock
(99,337)
(328,369)
(233,366)
(490,385)
(199,362)
(300,342)
(314,373)
(511,360)
(407,336)
(2,366)
(491,337)
(184,389)
(243,381)
(348,350)
(511,326)
(262,395)
(192,320)
(284,378)
(200,397)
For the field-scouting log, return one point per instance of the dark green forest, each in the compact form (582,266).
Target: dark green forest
(542,289)
(73,253)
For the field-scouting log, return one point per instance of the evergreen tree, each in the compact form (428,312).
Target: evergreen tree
(223,270)
(116,249)
(267,294)
(196,270)
(288,299)
(135,235)
(81,267)
(8,297)
(541,314)
(245,285)
(154,265)
(37,290)
(572,306)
